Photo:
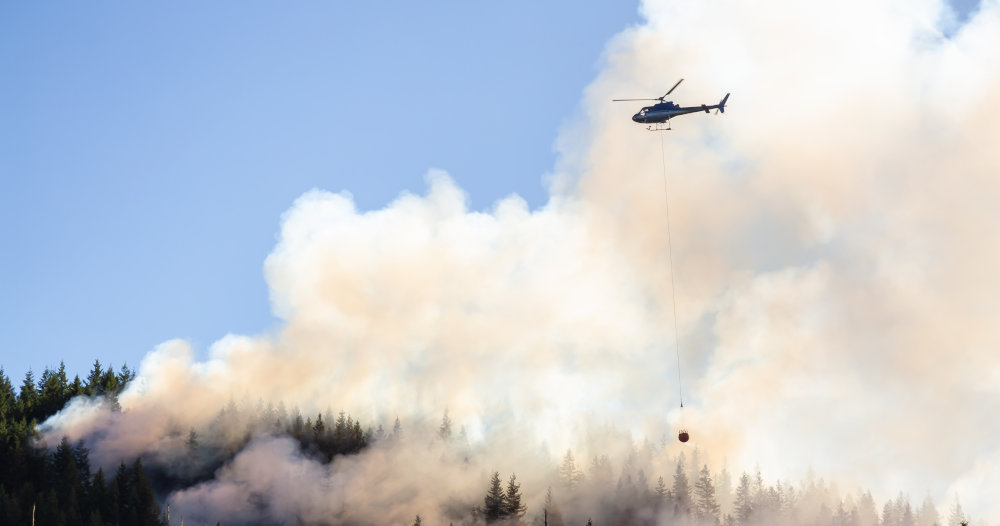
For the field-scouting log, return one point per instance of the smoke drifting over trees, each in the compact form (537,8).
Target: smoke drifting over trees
(257,463)
(836,239)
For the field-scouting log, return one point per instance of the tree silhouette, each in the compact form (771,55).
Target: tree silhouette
(512,506)
(493,503)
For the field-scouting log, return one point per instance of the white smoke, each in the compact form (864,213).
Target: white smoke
(835,240)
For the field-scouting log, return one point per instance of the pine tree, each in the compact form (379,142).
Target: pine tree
(744,500)
(704,491)
(889,517)
(681,489)
(318,430)
(928,514)
(493,502)
(568,474)
(94,386)
(125,375)
(661,490)
(904,511)
(724,491)
(100,498)
(358,441)
(512,506)
(146,509)
(27,399)
(867,512)
(957,516)
(417,521)
(444,431)
(8,402)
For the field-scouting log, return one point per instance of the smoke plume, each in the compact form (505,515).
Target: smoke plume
(834,245)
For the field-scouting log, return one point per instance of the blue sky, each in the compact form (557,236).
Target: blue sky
(148,151)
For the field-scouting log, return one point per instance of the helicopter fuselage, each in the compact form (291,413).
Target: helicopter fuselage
(665,111)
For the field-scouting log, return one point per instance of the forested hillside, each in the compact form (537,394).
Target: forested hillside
(60,485)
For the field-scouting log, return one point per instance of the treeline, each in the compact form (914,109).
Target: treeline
(645,487)
(696,496)
(57,487)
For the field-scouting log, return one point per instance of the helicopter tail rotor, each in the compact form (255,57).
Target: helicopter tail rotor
(722,104)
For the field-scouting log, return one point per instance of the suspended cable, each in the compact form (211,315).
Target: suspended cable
(670,260)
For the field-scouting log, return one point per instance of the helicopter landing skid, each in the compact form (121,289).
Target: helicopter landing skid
(659,126)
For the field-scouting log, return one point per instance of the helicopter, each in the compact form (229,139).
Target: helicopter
(661,113)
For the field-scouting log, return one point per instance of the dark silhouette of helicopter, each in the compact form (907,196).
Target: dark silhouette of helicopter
(661,113)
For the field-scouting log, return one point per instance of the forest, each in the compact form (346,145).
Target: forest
(58,485)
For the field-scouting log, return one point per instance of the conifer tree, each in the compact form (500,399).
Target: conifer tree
(94,385)
(704,491)
(444,430)
(27,399)
(724,491)
(318,430)
(928,514)
(904,511)
(867,512)
(357,438)
(889,517)
(744,500)
(100,497)
(956,517)
(146,510)
(512,506)
(568,473)
(493,502)
(8,402)
(682,489)
(661,490)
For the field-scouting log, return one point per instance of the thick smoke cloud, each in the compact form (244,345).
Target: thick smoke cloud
(835,242)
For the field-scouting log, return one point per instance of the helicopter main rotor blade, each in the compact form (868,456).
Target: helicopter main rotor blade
(673,88)
(623,100)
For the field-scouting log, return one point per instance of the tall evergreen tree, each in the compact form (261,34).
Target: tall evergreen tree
(94,385)
(27,399)
(867,512)
(397,430)
(904,511)
(956,517)
(889,517)
(143,501)
(493,505)
(8,402)
(569,475)
(513,508)
(682,489)
(724,491)
(319,430)
(928,514)
(661,490)
(704,493)
(100,498)
(743,507)
(444,430)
